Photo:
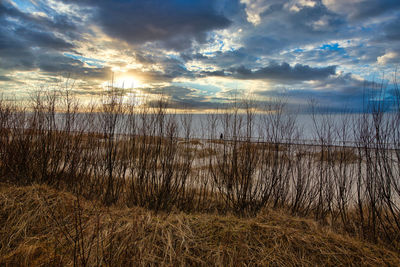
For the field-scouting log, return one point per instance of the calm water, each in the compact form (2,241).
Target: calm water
(337,127)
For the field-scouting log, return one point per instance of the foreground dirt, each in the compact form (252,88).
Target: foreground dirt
(40,226)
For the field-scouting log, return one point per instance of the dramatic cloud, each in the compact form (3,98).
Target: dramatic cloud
(174,23)
(392,30)
(280,72)
(22,38)
(182,97)
(195,52)
(390,57)
(342,92)
(362,9)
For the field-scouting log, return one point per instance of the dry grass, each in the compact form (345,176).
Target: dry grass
(39,227)
(342,155)
(268,146)
(193,142)
(206,152)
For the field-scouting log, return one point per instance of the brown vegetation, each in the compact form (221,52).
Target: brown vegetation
(45,227)
(128,156)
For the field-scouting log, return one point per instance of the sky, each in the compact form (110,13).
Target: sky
(199,54)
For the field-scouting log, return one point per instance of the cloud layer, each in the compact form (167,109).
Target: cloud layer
(196,51)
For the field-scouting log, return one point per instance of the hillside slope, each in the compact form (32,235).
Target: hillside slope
(40,226)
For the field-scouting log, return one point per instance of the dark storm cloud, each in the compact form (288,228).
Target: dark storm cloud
(306,20)
(366,9)
(280,72)
(57,64)
(5,79)
(29,42)
(15,54)
(174,23)
(33,38)
(22,39)
(281,28)
(391,31)
(58,22)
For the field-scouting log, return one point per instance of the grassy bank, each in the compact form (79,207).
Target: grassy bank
(41,226)
(121,154)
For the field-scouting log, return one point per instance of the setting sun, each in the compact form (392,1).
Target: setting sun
(123,82)
(127,82)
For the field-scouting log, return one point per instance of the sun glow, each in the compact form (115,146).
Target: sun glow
(127,82)
(131,85)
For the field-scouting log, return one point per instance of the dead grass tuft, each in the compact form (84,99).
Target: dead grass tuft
(38,227)
(345,156)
